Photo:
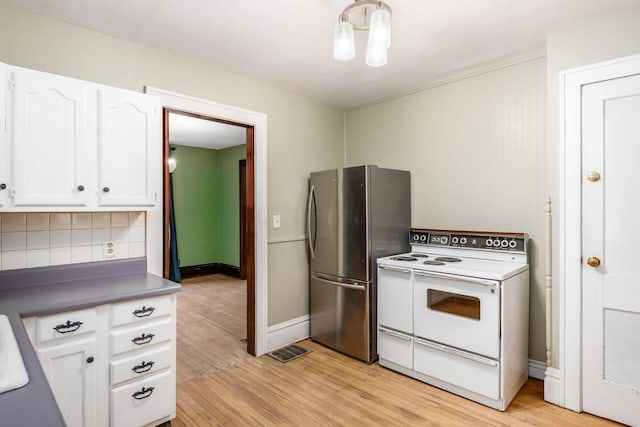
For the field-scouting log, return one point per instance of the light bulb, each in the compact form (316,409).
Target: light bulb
(344,47)
(380,27)
(376,54)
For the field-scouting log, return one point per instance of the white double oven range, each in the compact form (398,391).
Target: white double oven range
(454,313)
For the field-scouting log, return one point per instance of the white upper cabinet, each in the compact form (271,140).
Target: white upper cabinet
(129,152)
(4,188)
(72,145)
(51,139)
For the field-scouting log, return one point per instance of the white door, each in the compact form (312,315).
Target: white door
(129,149)
(3,147)
(611,238)
(71,372)
(52,135)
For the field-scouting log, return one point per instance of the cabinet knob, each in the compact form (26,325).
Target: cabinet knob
(90,359)
(80,187)
(3,186)
(105,189)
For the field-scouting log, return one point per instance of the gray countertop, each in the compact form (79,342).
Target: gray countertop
(46,290)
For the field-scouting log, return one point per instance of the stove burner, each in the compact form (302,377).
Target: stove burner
(430,262)
(448,259)
(420,255)
(404,258)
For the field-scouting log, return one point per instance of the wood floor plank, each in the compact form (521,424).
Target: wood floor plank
(219,384)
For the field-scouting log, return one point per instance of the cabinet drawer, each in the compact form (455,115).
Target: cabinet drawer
(62,325)
(143,401)
(141,336)
(141,365)
(396,347)
(469,371)
(141,309)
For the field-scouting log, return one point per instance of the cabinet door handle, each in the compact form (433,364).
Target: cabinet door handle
(143,367)
(68,327)
(3,186)
(143,394)
(396,334)
(142,339)
(80,187)
(144,311)
(105,189)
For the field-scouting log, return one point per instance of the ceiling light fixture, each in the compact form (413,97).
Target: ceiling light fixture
(364,15)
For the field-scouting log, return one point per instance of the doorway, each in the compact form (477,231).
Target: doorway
(198,135)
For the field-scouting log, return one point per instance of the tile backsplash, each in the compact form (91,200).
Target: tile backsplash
(37,239)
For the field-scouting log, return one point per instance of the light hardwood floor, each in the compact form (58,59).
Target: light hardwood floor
(219,384)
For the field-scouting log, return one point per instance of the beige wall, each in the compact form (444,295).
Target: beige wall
(303,134)
(476,151)
(608,37)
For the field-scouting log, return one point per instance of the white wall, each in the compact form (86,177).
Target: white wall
(607,37)
(303,134)
(475,148)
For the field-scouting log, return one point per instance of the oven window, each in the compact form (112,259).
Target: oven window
(460,305)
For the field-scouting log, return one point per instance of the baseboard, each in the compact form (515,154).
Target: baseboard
(229,270)
(207,269)
(553,392)
(288,332)
(537,369)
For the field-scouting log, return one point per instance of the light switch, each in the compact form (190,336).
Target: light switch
(276,221)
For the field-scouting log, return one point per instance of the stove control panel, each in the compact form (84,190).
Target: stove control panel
(503,242)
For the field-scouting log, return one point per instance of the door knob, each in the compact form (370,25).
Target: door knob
(593,261)
(593,176)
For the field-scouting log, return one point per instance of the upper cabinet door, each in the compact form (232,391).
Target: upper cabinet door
(129,149)
(51,135)
(4,188)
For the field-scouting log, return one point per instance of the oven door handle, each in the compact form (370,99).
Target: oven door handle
(457,352)
(399,270)
(395,334)
(487,283)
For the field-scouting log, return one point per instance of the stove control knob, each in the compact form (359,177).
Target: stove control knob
(463,240)
(504,243)
(423,238)
(513,244)
(416,237)
(444,240)
(454,240)
(489,243)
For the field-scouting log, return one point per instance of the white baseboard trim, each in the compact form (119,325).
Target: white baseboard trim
(537,369)
(553,392)
(288,332)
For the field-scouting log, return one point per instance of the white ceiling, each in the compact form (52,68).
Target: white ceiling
(195,132)
(289,43)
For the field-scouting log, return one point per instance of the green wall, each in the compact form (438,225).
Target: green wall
(207,197)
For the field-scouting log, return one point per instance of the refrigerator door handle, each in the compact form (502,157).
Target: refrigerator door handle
(312,242)
(342,285)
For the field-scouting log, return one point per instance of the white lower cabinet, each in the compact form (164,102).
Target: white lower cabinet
(70,369)
(111,365)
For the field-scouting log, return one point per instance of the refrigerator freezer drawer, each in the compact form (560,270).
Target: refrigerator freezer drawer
(340,316)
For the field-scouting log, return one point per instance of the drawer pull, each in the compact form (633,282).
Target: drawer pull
(68,327)
(144,311)
(143,367)
(142,339)
(143,394)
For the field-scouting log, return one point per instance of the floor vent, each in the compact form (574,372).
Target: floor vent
(288,353)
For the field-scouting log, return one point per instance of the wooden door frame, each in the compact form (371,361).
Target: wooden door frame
(563,385)
(247,229)
(242,178)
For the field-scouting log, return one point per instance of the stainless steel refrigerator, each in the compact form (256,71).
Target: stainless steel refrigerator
(354,216)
